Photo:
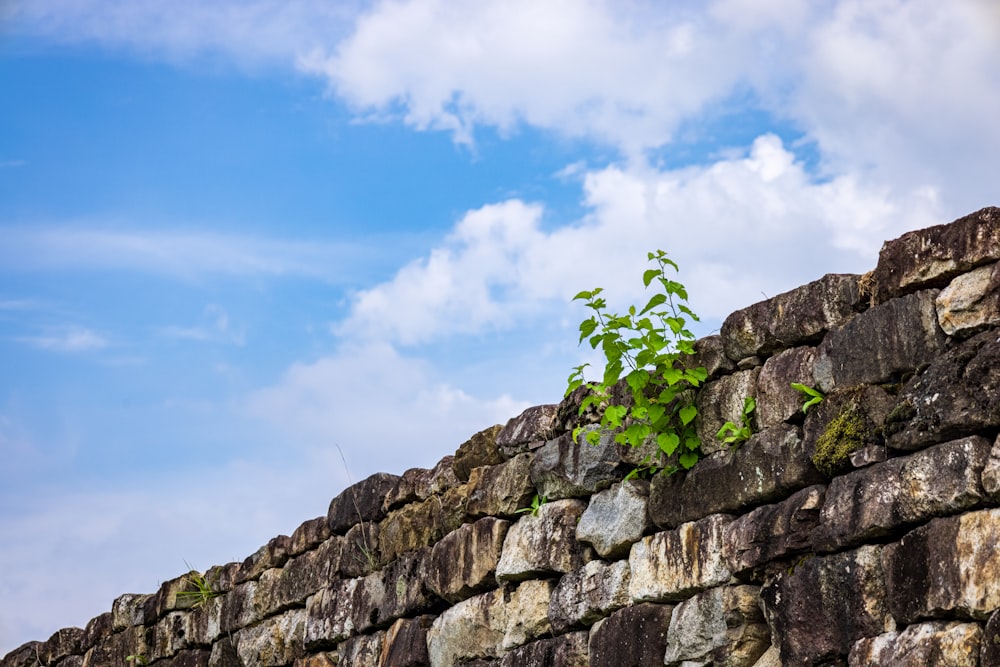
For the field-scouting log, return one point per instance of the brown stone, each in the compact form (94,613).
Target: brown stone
(635,636)
(405,643)
(533,425)
(360,554)
(710,354)
(568,650)
(309,535)
(272,554)
(363,651)
(825,604)
(957,395)
(62,643)
(721,626)
(798,317)
(564,468)
(586,595)
(936,643)
(844,422)
(500,490)
(543,543)
(931,257)
(420,483)
(989,652)
(361,502)
(330,615)
(395,591)
(479,450)
(881,345)
(115,649)
(127,610)
(464,562)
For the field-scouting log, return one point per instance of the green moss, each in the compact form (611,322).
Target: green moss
(844,434)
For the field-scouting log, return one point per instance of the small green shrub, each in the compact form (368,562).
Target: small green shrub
(536,505)
(730,433)
(202,592)
(813,396)
(646,346)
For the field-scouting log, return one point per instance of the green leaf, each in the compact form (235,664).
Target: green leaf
(637,380)
(688,459)
(587,327)
(687,414)
(648,275)
(667,442)
(655,412)
(654,301)
(583,295)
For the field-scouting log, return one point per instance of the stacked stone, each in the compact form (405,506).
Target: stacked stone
(863,532)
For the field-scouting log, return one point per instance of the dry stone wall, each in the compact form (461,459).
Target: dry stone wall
(865,532)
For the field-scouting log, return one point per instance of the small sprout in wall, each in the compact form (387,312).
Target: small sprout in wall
(813,396)
(536,504)
(137,659)
(730,433)
(202,592)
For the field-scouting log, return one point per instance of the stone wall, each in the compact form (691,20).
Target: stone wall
(865,532)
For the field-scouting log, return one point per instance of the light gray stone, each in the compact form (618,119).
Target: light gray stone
(675,564)
(329,615)
(564,468)
(991,472)
(544,543)
(970,302)
(362,651)
(616,518)
(953,644)
(274,641)
(588,594)
(722,627)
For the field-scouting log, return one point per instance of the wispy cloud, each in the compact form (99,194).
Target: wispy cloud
(67,338)
(218,329)
(178,254)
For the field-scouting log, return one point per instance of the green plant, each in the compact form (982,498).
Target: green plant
(202,592)
(646,346)
(138,658)
(732,434)
(813,396)
(367,552)
(536,504)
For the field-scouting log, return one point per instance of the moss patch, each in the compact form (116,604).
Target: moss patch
(845,433)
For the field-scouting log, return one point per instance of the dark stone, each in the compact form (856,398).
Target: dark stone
(563,468)
(635,636)
(464,562)
(360,555)
(722,401)
(933,256)
(406,643)
(774,531)
(798,317)
(876,501)
(479,450)
(710,354)
(825,604)
(777,401)
(114,649)
(224,654)
(411,527)
(272,554)
(98,629)
(420,483)
(989,650)
(533,425)
(302,576)
(309,535)
(25,655)
(361,502)
(61,644)
(395,591)
(361,651)
(957,395)
(946,568)
(768,467)
(189,658)
(568,650)
(500,490)
(883,344)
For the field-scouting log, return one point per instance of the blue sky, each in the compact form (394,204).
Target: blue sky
(236,235)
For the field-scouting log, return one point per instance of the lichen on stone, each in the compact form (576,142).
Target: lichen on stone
(845,433)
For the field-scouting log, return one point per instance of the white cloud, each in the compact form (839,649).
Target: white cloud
(740,227)
(69,338)
(218,329)
(385,410)
(179,254)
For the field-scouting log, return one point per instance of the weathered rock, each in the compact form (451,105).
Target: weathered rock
(363,651)
(115,649)
(176,594)
(391,593)
(958,395)
(991,473)
(867,455)
(62,643)
(588,594)
(794,318)
(224,654)
(989,654)
(309,535)
(24,655)
(970,302)
(773,531)
(710,354)
(500,490)
(875,501)
(222,578)
(675,564)
(274,641)
(933,256)
(420,483)
(272,554)
(487,625)
(205,623)
(616,518)
(188,658)
(543,543)
(818,610)
(721,401)
(238,607)
(899,336)
(127,610)
(768,467)
(635,636)
(562,468)
(361,502)
(771,658)
(844,422)
(936,643)
(776,400)
(324,659)
(534,425)
(405,643)
(410,527)
(360,554)
(479,450)
(330,616)
(280,589)
(722,626)
(464,562)
(946,568)
(566,651)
